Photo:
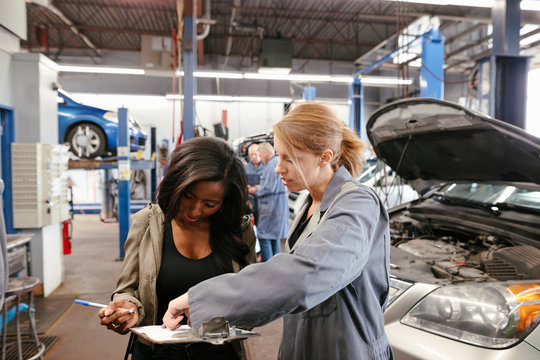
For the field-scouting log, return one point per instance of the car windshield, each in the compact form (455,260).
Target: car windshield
(371,171)
(494,194)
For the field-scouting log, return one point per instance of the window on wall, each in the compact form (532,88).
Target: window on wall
(532,122)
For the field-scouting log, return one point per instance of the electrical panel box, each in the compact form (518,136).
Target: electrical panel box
(156,52)
(40,189)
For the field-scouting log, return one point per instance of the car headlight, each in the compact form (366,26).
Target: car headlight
(111,116)
(490,314)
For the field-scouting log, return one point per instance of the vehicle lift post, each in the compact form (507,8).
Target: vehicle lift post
(431,78)
(124,175)
(432,71)
(189,64)
(310,93)
(502,76)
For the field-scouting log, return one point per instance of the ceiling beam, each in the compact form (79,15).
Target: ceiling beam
(105,29)
(73,28)
(261,12)
(154,5)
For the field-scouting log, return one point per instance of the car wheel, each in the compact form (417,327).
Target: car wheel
(87,140)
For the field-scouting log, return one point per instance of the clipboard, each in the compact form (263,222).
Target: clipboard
(215,332)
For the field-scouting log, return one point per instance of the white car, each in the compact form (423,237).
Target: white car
(465,257)
(391,189)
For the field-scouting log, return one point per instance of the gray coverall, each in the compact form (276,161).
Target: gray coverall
(331,287)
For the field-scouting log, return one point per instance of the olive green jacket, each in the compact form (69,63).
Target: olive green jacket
(137,281)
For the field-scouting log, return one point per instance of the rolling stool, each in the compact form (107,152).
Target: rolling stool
(17,287)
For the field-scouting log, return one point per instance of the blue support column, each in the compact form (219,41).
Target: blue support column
(356,95)
(8,137)
(153,171)
(189,84)
(502,76)
(310,92)
(432,72)
(506,19)
(486,85)
(356,90)
(124,175)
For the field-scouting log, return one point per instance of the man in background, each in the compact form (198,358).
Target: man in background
(253,172)
(272,205)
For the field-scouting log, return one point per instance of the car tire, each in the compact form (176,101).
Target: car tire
(87,140)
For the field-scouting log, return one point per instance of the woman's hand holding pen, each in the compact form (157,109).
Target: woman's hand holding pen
(178,309)
(117,316)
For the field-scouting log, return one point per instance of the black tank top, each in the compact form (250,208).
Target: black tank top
(178,273)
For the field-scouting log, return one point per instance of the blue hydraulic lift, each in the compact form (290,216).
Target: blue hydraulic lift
(502,76)
(124,164)
(431,75)
(189,65)
(310,92)
(124,173)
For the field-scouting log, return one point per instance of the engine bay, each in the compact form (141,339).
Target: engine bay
(442,254)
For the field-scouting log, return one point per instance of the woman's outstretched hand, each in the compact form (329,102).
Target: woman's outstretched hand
(178,309)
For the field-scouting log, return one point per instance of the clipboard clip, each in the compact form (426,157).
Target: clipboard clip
(216,328)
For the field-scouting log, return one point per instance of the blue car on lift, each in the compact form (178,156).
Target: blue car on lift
(91,131)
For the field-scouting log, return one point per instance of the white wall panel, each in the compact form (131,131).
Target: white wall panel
(13,16)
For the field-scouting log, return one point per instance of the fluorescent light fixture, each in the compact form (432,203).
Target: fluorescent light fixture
(274,70)
(384,81)
(531,5)
(341,79)
(257,99)
(99,70)
(233,98)
(174,97)
(217,74)
(473,3)
(289,77)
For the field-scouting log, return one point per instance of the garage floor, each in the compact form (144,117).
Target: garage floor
(90,274)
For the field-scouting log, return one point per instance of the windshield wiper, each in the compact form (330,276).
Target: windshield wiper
(491,209)
(507,206)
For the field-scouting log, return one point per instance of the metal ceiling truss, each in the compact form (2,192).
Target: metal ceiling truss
(356,31)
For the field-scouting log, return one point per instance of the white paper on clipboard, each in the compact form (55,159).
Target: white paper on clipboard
(159,335)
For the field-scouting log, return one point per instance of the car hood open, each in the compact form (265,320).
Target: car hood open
(428,142)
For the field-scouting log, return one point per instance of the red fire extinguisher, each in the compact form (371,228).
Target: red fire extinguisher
(66,236)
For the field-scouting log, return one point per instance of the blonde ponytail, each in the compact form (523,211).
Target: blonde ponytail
(352,152)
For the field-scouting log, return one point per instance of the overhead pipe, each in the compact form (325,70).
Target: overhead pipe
(228,46)
(205,20)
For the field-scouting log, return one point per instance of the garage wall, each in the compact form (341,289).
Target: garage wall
(9,44)
(145,99)
(13,16)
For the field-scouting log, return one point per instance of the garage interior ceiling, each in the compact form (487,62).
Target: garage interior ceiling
(359,31)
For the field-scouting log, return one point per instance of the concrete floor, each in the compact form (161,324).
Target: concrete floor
(90,273)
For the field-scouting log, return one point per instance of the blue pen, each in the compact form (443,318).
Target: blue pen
(89,303)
